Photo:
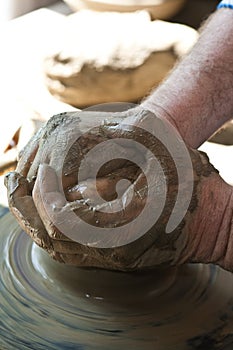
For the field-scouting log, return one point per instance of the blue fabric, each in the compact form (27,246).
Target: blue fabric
(225,4)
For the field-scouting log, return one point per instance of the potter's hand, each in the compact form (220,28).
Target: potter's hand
(205,227)
(203,234)
(197,99)
(113,191)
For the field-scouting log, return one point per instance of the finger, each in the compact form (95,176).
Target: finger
(125,124)
(113,213)
(27,155)
(23,208)
(48,199)
(144,128)
(104,186)
(81,164)
(54,211)
(50,140)
(66,220)
(92,189)
(17,185)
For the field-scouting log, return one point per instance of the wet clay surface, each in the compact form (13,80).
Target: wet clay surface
(46,305)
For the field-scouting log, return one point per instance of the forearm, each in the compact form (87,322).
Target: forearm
(197,97)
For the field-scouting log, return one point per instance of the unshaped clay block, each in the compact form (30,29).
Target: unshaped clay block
(160,9)
(111,56)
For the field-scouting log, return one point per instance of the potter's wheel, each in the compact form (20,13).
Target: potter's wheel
(46,305)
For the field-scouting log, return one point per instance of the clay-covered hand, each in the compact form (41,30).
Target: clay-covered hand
(120,191)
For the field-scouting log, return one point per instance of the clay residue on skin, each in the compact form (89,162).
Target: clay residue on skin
(151,249)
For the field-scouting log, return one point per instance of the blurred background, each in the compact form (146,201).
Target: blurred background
(10,9)
(56,56)
(191,12)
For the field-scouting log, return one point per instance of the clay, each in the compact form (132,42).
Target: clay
(35,183)
(121,60)
(162,9)
(57,307)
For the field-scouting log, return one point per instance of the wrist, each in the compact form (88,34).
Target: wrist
(159,111)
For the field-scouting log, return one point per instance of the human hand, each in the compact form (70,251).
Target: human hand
(115,214)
